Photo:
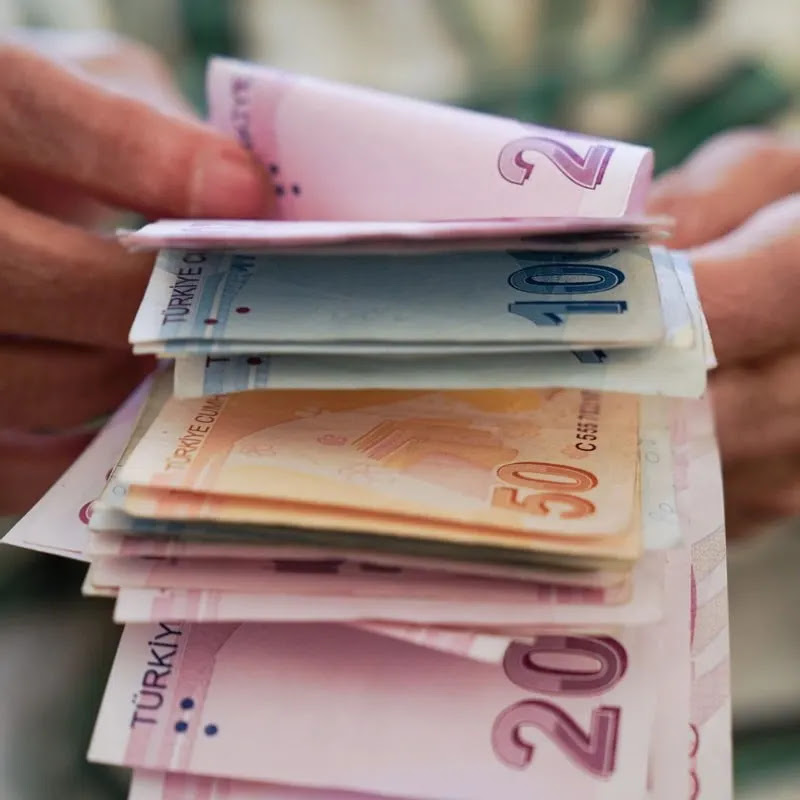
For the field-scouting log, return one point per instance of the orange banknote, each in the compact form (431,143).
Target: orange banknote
(500,467)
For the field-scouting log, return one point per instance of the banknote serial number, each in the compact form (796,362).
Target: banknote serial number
(588,422)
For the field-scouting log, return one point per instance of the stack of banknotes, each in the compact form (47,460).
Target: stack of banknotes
(424,501)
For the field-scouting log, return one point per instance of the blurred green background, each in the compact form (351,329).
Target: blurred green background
(667,73)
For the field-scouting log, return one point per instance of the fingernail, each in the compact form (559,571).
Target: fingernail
(229,183)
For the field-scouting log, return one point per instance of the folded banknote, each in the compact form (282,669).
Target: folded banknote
(337,152)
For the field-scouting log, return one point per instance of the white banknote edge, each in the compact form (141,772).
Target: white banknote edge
(50,527)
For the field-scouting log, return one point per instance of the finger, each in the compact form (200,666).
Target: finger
(52,198)
(726,181)
(119,149)
(748,282)
(62,283)
(31,464)
(50,386)
(760,491)
(757,408)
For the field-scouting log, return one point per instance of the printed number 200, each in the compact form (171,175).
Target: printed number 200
(585,171)
(594,751)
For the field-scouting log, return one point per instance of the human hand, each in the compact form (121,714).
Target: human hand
(68,296)
(737,205)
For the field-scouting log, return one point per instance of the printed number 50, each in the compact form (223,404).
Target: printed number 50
(553,480)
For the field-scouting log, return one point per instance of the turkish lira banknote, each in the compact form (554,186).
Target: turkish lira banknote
(338,152)
(491,301)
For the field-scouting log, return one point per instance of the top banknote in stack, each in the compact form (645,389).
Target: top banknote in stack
(427,506)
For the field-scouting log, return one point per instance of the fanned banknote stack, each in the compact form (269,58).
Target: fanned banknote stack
(429,504)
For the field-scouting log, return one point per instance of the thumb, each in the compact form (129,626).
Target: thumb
(118,149)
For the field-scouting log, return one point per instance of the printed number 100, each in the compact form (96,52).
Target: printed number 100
(564,274)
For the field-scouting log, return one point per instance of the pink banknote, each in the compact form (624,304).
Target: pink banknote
(114,541)
(337,591)
(693,718)
(700,503)
(378,235)
(335,707)
(668,773)
(479,645)
(337,152)
(148,785)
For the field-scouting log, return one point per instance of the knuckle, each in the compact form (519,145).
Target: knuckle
(140,50)
(141,60)
(14,57)
(750,143)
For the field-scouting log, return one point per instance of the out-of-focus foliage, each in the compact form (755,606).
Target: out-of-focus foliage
(666,72)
